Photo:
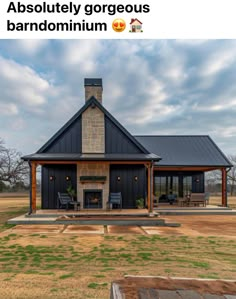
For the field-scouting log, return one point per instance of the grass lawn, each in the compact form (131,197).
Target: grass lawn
(80,266)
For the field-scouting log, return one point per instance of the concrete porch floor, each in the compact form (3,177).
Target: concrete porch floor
(162,209)
(139,217)
(86,212)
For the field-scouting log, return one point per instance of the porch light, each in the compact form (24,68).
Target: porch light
(118,178)
(68,178)
(52,178)
(136,178)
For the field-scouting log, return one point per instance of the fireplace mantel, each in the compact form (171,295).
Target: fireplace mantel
(93,179)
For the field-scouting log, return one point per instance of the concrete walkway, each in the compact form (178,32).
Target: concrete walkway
(82,229)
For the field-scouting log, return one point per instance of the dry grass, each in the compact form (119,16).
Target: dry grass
(78,266)
(216,200)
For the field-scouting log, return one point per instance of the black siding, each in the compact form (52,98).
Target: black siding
(59,184)
(117,142)
(69,141)
(198,184)
(129,188)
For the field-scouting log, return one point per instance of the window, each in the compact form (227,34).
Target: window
(187,184)
(166,185)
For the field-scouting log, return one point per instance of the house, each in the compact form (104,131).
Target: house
(135,25)
(96,155)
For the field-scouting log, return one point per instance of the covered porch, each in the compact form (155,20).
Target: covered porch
(159,181)
(181,181)
(132,178)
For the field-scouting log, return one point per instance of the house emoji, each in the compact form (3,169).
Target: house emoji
(135,25)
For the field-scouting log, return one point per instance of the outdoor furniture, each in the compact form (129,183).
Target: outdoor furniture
(64,200)
(155,201)
(114,199)
(171,198)
(182,201)
(207,197)
(197,199)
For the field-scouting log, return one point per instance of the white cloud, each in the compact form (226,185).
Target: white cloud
(81,54)
(30,46)
(218,105)
(225,132)
(191,42)
(219,61)
(21,84)
(18,124)
(8,109)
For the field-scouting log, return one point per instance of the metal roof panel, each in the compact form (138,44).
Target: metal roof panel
(184,150)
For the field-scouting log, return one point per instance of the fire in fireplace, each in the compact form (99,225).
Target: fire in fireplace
(92,199)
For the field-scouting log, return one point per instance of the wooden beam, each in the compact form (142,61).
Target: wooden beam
(149,188)
(33,186)
(224,186)
(56,162)
(126,162)
(30,189)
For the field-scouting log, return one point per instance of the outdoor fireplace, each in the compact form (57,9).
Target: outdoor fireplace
(92,199)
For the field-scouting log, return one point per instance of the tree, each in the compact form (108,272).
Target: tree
(213,180)
(232,174)
(13,170)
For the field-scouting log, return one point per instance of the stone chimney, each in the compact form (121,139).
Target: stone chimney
(93,87)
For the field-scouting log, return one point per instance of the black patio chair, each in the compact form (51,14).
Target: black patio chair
(115,199)
(171,198)
(64,200)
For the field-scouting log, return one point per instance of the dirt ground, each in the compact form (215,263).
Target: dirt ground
(215,225)
(57,262)
(193,226)
(12,203)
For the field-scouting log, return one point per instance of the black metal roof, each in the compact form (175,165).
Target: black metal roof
(92,101)
(185,150)
(90,157)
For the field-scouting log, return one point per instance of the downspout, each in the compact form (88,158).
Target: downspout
(30,190)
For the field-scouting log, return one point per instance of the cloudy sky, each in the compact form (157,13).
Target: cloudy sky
(151,86)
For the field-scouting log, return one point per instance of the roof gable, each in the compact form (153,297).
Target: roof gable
(55,143)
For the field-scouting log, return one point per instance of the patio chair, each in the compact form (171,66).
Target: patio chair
(171,198)
(64,200)
(207,197)
(115,199)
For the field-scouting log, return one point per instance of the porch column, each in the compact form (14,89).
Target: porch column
(30,189)
(152,190)
(149,188)
(224,187)
(33,186)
